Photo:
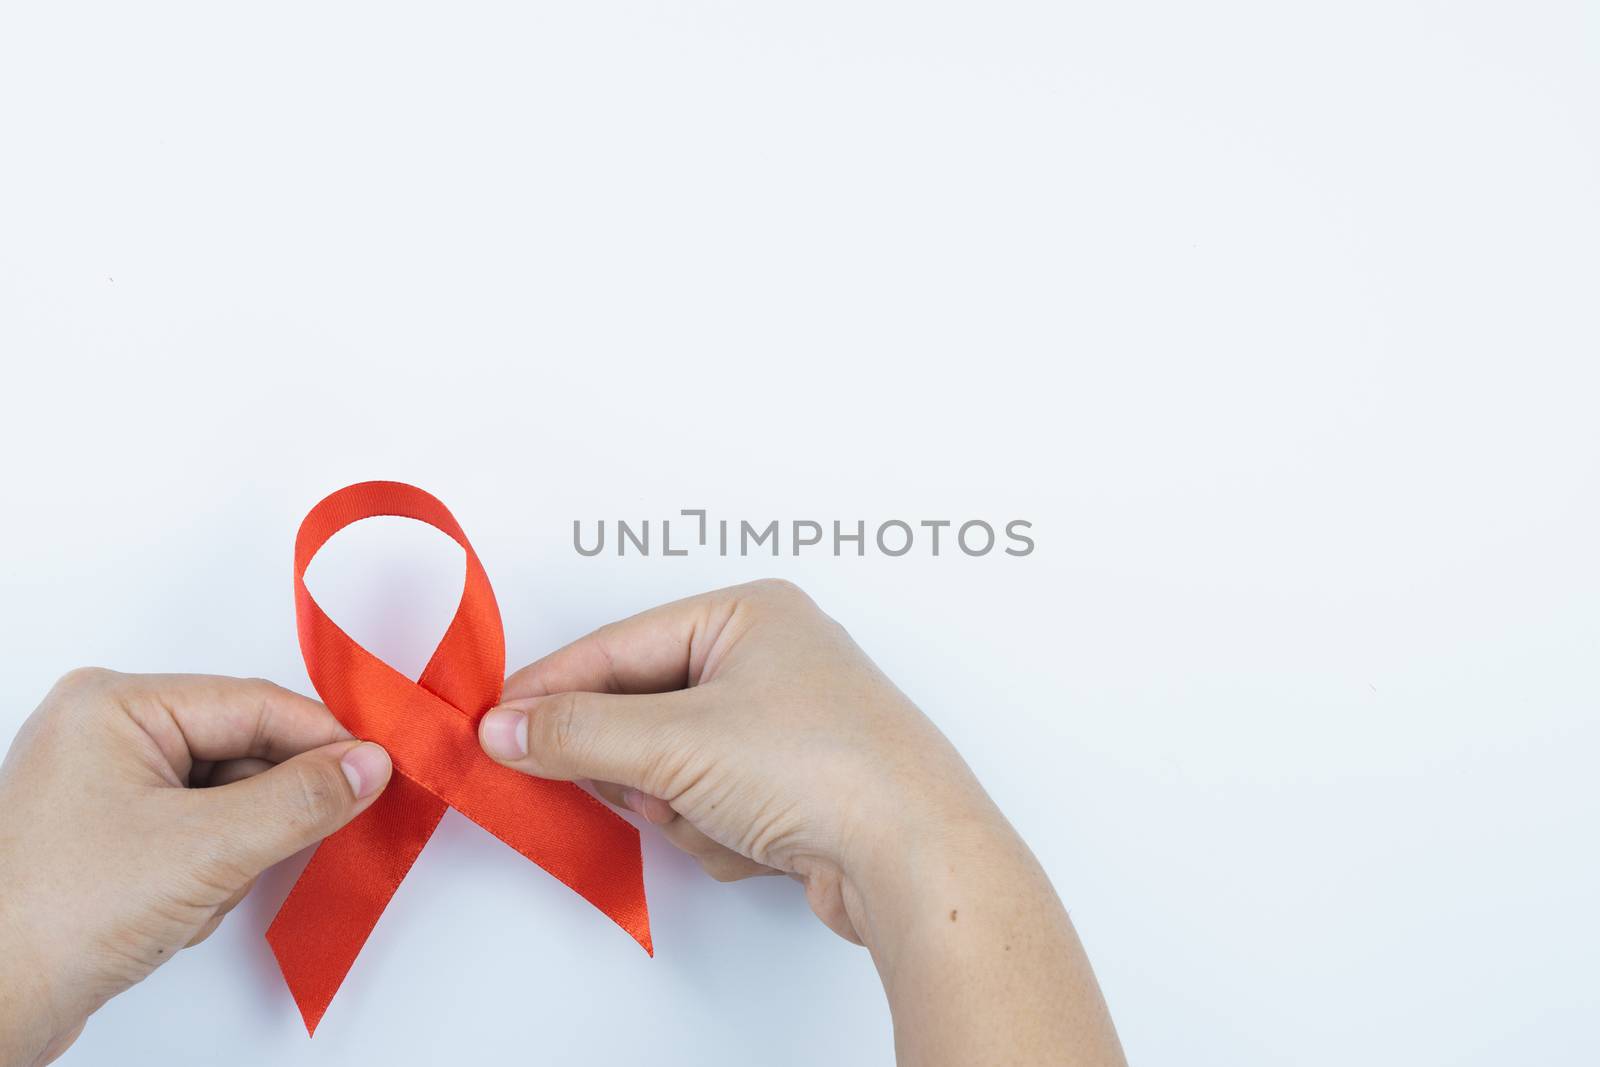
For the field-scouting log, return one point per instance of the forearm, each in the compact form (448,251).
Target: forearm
(978,957)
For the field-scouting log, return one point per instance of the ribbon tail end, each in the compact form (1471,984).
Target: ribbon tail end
(311,1002)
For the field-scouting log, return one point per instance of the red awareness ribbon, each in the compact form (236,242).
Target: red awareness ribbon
(430,728)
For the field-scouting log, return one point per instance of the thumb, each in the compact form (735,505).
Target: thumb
(604,736)
(272,815)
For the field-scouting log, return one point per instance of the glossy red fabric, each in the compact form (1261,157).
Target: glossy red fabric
(430,728)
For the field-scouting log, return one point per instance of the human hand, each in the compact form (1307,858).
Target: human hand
(112,858)
(752,730)
(771,745)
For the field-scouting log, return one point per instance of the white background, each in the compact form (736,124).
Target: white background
(1277,320)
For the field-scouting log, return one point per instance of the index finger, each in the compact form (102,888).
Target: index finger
(211,717)
(655,651)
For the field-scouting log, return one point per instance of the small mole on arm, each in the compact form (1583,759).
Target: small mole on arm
(952,915)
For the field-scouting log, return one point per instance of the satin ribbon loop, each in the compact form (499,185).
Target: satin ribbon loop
(429,728)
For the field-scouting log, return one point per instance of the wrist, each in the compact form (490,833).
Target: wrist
(919,872)
(977,955)
(25,1017)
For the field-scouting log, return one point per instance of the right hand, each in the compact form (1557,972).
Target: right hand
(768,742)
(748,726)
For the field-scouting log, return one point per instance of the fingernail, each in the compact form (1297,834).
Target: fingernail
(366,767)
(504,733)
(634,800)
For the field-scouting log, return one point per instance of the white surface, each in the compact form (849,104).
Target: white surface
(1278,320)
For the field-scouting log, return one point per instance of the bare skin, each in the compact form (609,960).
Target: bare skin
(110,862)
(745,724)
(752,730)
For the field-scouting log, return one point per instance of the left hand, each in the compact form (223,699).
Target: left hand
(112,856)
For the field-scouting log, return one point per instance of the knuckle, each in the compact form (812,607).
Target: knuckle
(776,596)
(80,695)
(258,685)
(263,686)
(668,771)
(779,589)
(554,728)
(316,793)
(81,678)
